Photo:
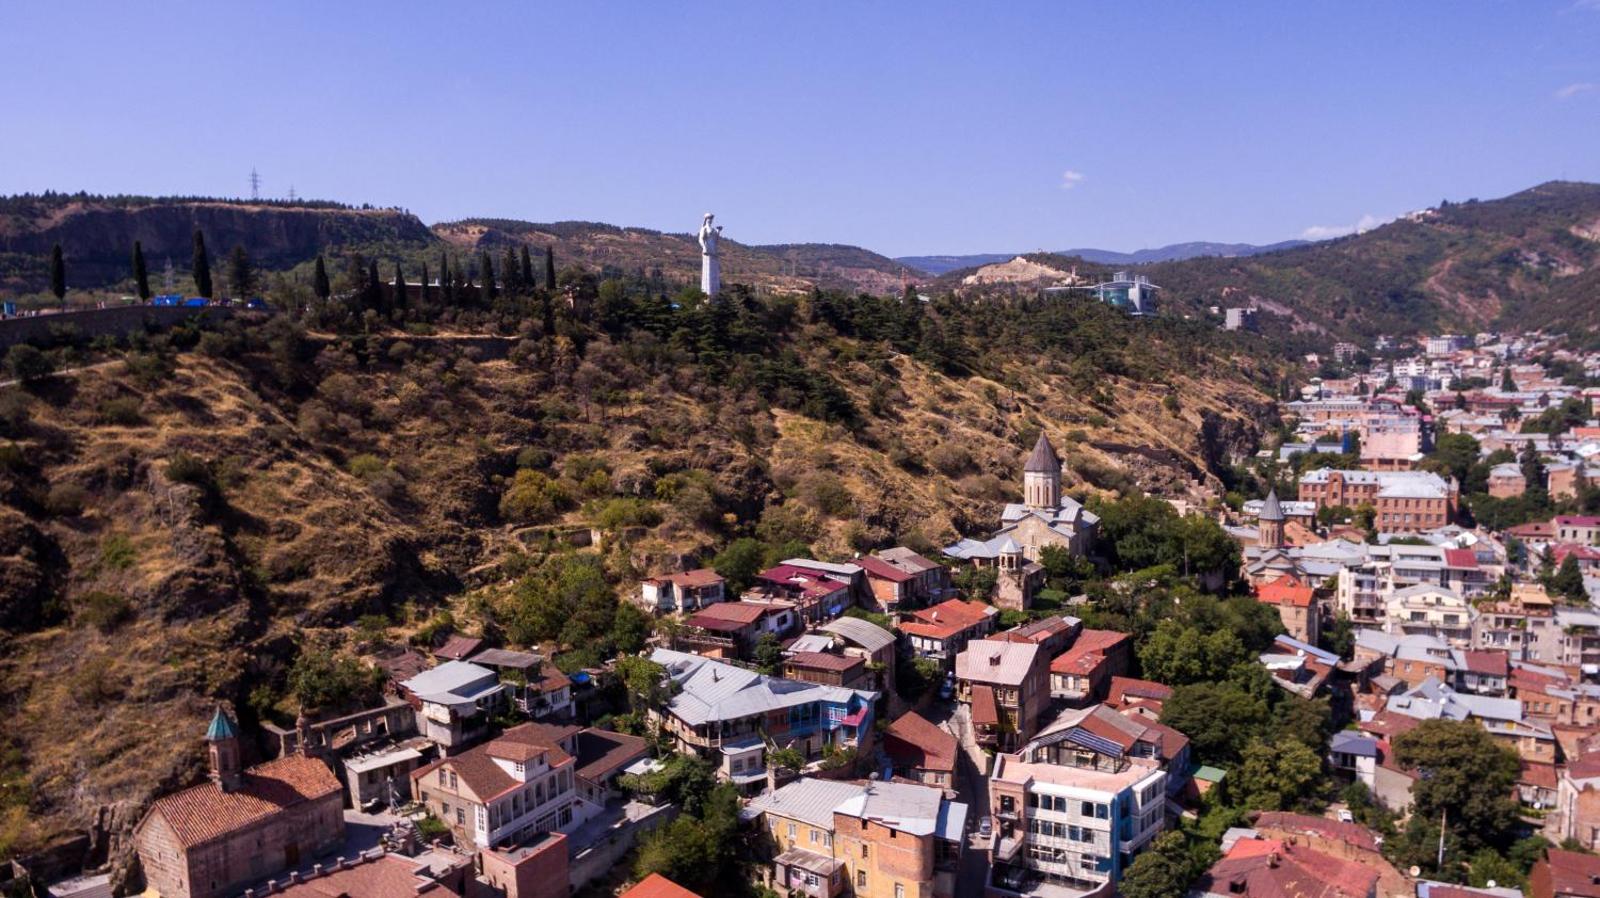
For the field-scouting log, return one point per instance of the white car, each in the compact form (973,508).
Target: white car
(1345,816)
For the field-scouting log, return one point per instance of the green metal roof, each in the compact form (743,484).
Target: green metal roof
(1209,774)
(222,727)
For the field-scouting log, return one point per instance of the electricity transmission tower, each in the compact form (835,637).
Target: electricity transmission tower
(255,184)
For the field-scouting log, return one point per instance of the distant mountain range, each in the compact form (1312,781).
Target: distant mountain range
(1171,253)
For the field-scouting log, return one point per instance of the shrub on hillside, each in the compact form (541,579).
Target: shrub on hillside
(27,364)
(65,500)
(532,497)
(104,611)
(123,411)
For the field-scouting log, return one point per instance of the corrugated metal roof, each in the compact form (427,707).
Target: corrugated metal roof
(994,661)
(864,633)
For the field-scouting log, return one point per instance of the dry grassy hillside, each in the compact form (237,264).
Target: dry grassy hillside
(178,523)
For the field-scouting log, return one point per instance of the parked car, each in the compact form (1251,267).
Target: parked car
(985,826)
(1345,816)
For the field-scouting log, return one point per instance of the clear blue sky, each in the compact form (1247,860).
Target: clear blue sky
(928,128)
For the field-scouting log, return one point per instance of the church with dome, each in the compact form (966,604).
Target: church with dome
(1044,517)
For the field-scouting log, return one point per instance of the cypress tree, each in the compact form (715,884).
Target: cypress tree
(202,266)
(511,272)
(319,281)
(58,273)
(374,287)
(141,277)
(486,278)
(527,269)
(399,287)
(241,274)
(427,289)
(549,268)
(444,276)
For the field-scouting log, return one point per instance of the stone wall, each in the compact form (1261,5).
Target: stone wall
(600,856)
(118,321)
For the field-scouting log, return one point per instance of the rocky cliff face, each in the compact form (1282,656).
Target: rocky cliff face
(97,236)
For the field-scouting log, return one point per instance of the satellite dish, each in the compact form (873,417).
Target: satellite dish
(1415,871)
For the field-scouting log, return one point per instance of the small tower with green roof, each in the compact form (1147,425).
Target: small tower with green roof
(222,743)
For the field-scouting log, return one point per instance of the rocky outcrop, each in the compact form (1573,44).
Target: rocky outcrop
(97,237)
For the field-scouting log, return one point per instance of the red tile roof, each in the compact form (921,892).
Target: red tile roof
(1460,558)
(602,753)
(458,648)
(1123,688)
(204,812)
(1291,871)
(947,618)
(1534,530)
(1388,724)
(883,570)
(657,886)
(692,579)
(479,772)
(824,661)
(1279,592)
(727,616)
(1353,834)
(1536,773)
(912,741)
(387,876)
(1586,767)
(1560,551)
(1495,664)
(1088,651)
(1571,873)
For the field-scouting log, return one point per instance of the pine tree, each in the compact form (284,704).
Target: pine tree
(427,289)
(399,287)
(202,266)
(486,291)
(549,268)
(58,273)
(319,281)
(444,278)
(141,277)
(527,270)
(241,274)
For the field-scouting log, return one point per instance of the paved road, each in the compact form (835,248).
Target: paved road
(972,771)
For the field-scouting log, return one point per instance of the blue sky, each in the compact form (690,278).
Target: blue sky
(927,128)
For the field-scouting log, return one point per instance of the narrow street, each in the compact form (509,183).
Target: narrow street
(972,772)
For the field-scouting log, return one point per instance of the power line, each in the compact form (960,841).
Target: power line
(255,184)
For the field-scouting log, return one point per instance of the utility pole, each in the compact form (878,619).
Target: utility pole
(1444,814)
(255,184)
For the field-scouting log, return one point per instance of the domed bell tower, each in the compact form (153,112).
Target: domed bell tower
(222,744)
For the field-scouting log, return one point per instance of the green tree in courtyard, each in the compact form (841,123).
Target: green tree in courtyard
(1465,775)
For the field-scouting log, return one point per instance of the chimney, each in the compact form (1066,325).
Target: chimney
(316,869)
(294,877)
